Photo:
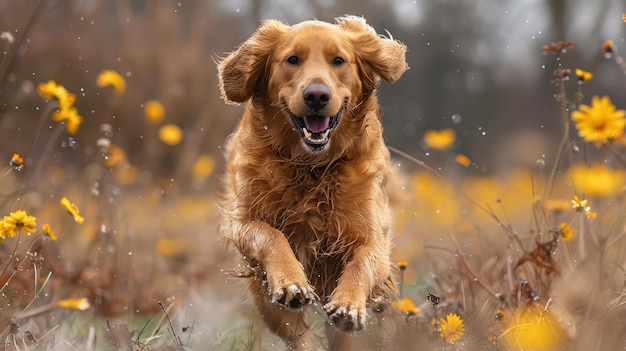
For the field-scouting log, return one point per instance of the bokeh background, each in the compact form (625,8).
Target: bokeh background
(151,233)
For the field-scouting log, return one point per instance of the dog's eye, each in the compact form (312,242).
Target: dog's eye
(338,61)
(293,60)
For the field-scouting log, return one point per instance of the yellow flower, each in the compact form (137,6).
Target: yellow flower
(579,205)
(66,112)
(153,111)
(439,139)
(402,265)
(170,134)
(583,206)
(451,328)
(17,162)
(80,304)
(532,328)
(12,224)
(600,122)
(406,305)
(203,167)
(48,231)
(70,117)
(463,160)
(583,76)
(170,246)
(608,47)
(597,180)
(72,209)
(115,156)
(566,232)
(51,90)
(110,77)
(558,206)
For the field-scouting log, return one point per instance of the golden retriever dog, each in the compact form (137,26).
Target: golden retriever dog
(306,191)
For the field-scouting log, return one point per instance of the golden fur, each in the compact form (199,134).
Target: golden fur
(305,198)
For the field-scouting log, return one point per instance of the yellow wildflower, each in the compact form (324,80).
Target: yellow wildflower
(451,328)
(80,304)
(580,205)
(72,209)
(600,122)
(532,328)
(203,167)
(170,246)
(463,160)
(583,75)
(153,111)
(70,117)
(439,139)
(558,206)
(597,180)
(17,162)
(51,90)
(66,112)
(402,265)
(608,47)
(406,305)
(110,77)
(48,231)
(170,134)
(567,233)
(115,156)
(12,224)
(583,206)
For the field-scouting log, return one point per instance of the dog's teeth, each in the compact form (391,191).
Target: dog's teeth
(307,134)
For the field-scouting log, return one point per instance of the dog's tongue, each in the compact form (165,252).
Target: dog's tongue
(316,124)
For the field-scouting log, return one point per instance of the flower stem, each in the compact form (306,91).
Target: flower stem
(564,139)
(581,247)
(53,139)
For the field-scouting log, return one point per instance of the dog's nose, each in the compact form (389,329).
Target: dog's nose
(316,96)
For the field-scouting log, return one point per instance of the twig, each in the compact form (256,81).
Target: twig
(170,328)
(473,275)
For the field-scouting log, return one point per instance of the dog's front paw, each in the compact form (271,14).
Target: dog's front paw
(346,317)
(293,296)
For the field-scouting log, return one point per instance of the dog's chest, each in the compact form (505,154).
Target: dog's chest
(301,201)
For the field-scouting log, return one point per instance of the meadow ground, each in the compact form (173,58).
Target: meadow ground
(109,233)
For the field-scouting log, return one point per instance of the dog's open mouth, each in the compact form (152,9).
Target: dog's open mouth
(316,129)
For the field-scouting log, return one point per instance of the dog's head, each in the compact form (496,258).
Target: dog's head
(313,73)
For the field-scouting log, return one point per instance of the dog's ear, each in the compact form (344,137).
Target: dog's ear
(244,72)
(378,57)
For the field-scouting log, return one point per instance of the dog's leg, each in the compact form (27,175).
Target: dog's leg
(286,282)
(368,268)
(289,325)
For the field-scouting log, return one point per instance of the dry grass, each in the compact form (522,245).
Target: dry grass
(149,261)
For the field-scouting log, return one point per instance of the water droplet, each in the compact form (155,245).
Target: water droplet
(456,118)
